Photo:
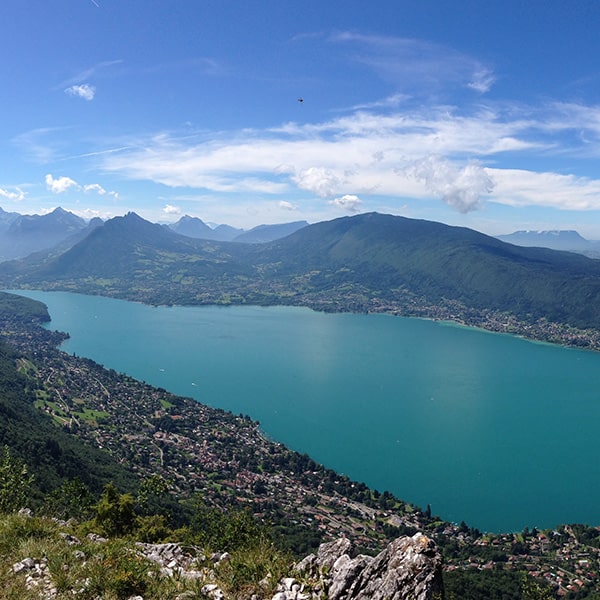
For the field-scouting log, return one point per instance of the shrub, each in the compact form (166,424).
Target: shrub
(14,482)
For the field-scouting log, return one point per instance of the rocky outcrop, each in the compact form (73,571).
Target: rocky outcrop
(409,568)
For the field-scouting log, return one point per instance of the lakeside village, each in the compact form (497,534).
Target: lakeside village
(226,459)
(403,303)
(540,329)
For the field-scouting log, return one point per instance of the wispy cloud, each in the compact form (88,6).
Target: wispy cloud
(392,101)
(39,145)
(582,120)
(482,80)
(16,196)
(85,91)
(88,73)
(414,64)
(204,64)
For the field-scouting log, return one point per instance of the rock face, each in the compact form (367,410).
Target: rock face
(409,568)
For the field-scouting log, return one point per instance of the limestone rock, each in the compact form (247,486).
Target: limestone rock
(328,553)
(409,568)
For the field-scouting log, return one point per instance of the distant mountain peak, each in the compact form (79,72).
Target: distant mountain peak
(132,216)
(26,234)
(555,239)
(188,218)
(268,233)
(195,227)
(548,232)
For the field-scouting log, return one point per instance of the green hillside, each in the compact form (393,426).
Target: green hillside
(387,255)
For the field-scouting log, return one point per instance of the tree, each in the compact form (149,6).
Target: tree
(73,500)
(115,513)
(152,490)
(14,482)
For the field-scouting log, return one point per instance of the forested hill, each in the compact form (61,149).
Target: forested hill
(23,310)
(392,257)
(363,263)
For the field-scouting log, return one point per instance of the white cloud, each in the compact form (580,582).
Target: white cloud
(285,205)
(96,187)
(60,185)
(459,188)
(85,91)
(63,184)
(169,209)
(429,150)
(318,180)
(348,202)
(17,196)
(516,187)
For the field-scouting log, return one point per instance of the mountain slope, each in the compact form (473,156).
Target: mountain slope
(432,260)
(6,218)
(367,262)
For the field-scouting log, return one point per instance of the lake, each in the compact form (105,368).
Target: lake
(491,429)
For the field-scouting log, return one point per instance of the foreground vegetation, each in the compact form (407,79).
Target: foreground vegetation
(41,557)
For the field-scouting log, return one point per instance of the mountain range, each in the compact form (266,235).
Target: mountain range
(363,263)
(22,235)
(196,228)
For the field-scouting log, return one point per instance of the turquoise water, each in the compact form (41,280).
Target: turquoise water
(491,429)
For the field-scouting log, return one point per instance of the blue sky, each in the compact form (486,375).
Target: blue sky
(478,113)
